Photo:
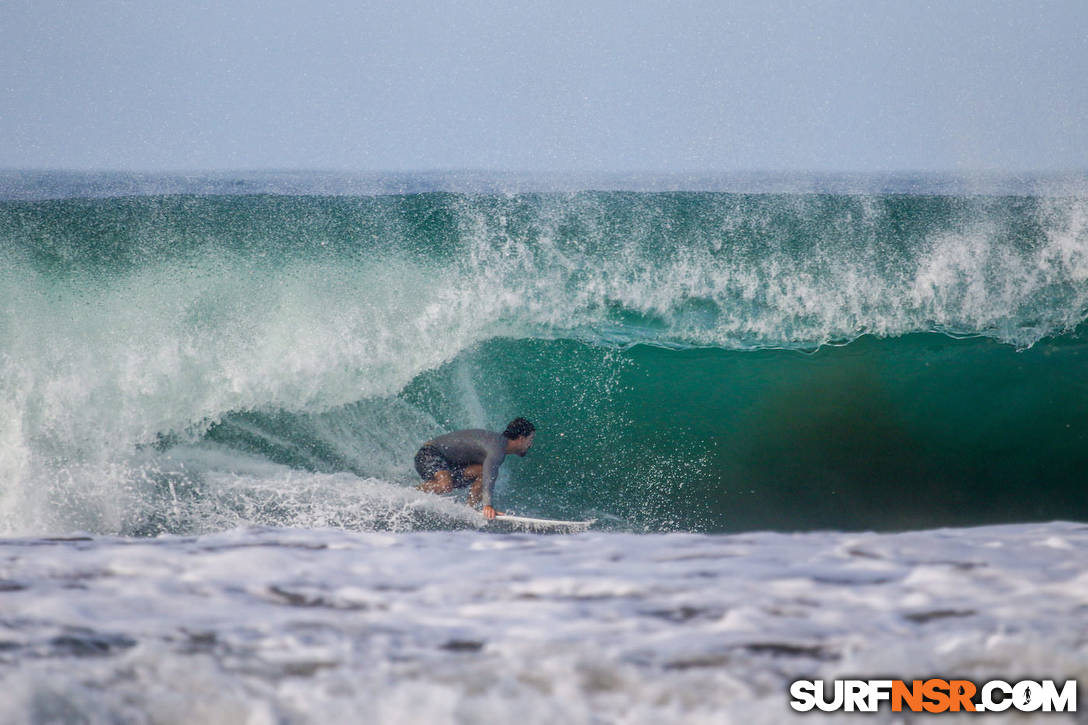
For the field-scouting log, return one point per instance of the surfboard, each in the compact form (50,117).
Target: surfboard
(509,522)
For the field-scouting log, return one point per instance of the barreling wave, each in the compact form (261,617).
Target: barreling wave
(187,363)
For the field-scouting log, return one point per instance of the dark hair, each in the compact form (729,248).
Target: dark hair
(518,428)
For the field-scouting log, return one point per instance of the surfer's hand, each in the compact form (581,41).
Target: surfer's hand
(490,512)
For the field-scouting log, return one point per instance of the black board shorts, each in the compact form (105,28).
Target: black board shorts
(429,461)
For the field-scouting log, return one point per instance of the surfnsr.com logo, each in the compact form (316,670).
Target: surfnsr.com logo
(933,695)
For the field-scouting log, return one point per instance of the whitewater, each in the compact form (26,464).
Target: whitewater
(829,426)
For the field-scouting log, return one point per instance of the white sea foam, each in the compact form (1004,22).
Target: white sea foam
(92,371)
(266,625)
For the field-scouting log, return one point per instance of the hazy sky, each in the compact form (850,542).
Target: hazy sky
(604,86)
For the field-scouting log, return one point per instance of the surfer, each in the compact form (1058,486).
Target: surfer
(471,458)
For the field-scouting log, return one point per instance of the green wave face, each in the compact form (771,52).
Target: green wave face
(915,432)
(694,361)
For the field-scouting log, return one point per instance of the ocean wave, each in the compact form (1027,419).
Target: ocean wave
(131,326)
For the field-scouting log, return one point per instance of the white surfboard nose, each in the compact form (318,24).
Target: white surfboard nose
(509,522)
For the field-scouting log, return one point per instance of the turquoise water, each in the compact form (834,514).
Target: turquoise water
(694,361)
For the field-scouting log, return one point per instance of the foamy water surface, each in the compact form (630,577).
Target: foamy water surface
(294,626)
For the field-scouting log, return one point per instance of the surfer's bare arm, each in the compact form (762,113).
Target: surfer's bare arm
(487,482)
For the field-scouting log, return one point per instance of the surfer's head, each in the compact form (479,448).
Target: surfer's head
(520,434)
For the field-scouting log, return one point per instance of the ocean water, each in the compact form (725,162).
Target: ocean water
(826,425)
